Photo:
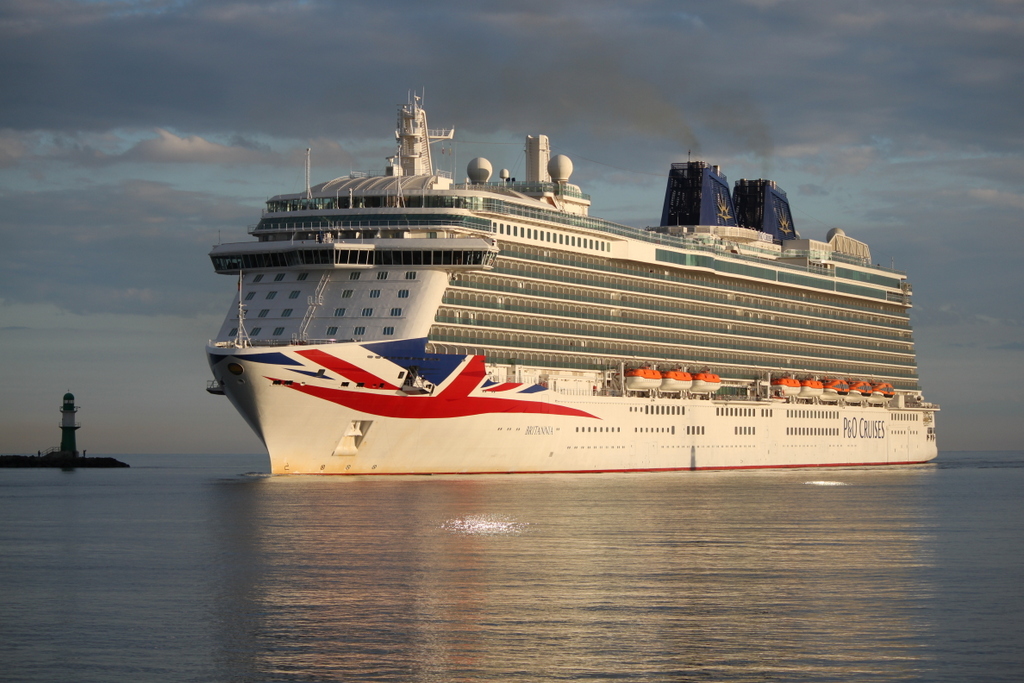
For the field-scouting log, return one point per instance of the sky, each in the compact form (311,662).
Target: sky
(135,135)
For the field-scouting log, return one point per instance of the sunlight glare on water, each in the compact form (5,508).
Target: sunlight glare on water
(484,525)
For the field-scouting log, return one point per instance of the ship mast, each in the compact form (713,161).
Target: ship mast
(414,140)
(241,337)
(309,192)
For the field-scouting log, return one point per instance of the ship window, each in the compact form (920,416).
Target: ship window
(403,294)
(286,313)
(396,311)
(382,275)
(339,312)
(354,275)
(278,331)
(367,312)
(347,294)
(255,331)
(360,330)
(271,295)
(331,331)
(258,278)
(374,293)
(249,296)
(302,276)
(294,294)
(389,330)
(410,275)
(263,313)
(278,277)
(233,332)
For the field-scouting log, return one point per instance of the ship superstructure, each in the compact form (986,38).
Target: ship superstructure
(406,323)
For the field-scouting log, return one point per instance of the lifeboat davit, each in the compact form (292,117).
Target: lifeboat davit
(705,383)
(881,392)
(642,379)
(859,391)
(811,388)
(834,389)
(786,386)
(676,380)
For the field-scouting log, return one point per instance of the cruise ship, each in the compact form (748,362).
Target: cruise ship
(405,323)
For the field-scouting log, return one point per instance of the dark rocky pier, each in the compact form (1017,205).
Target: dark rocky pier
(61,459)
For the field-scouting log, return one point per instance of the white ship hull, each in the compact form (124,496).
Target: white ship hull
(297,401)
(403,323)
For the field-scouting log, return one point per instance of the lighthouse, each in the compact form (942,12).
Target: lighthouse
(68,426)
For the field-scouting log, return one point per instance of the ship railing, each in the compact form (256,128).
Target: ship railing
(466,222)
(645,235)
(654,290)
(858,341)
(669,278)
(639,334)
(530,187)
(647,306)
(895,371)
(294,342)
(602,359)
(642,234)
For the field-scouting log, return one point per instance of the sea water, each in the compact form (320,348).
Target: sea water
(204,568)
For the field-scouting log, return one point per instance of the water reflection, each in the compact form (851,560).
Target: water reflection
(698,576)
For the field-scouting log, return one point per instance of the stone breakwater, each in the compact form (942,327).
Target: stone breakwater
(58,459)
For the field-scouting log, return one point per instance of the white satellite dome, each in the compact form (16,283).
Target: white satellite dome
(560,168)
(833,232)
(479,170)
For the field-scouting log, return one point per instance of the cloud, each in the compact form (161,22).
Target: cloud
(999,198)
(812,189)
(91,150)
(13,148)
(134,247)
(1009,346)
(797,72)
(168,147)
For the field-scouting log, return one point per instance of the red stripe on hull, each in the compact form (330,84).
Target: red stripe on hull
(620,471)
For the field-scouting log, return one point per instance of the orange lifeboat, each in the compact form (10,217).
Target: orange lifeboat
(881,392)
(642,379)
(676,380)
(705,383)
(833,389)
(786,386)
(859,391)
(811,388)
